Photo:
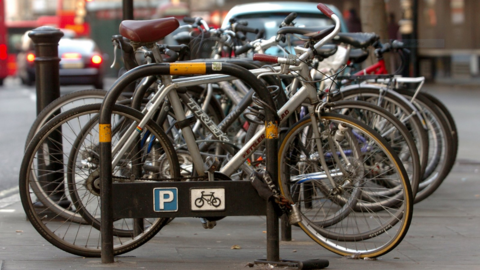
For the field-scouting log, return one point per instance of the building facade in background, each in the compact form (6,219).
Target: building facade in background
(448,42)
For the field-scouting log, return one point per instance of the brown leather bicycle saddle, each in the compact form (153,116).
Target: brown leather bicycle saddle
(358,40)
(148,30)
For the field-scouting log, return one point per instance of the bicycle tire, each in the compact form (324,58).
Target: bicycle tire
(216,202)
(335,237)
(440,142)
(392,104)
(199,202)
(452,126)
(75,170)
(72,237)
(399,139)
(62,103)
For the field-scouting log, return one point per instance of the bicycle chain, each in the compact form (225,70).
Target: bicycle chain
(283,203)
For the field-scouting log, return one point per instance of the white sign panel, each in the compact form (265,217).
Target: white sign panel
(207,199)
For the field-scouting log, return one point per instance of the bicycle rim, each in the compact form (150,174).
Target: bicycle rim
(80,239)
(362,232)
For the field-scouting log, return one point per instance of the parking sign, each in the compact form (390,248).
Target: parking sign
(165,199)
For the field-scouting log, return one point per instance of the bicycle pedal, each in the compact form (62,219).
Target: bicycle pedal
(208,224)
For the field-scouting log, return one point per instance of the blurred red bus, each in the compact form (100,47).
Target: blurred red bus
(15,31)
(3,45)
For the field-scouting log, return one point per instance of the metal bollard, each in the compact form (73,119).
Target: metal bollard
(47,83)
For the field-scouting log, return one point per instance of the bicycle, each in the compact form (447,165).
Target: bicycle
(438,158)
(345,161)
(209,199)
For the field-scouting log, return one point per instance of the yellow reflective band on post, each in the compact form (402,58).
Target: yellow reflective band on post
(271,130)
(187,69)
(105,133)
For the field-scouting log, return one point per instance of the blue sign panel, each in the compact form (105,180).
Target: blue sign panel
(165,199)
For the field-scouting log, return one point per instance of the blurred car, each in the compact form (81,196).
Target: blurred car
(80,62)
(269,16)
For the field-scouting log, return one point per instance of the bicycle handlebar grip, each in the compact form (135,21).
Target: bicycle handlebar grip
(240,36)
(240,27)
(289,19)
(325,10)
(260,34)
(243,49)
(265,58)
(397,44)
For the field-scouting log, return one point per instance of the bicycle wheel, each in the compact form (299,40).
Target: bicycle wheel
(216,202)
(199,202)
(440,146)
(391,129)
(399,109)
(367,165)
(450,121)
(45,168)
(64,103)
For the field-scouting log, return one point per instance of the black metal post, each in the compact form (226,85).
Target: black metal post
(47,80)
(286,229)
(127,8)
(414,50)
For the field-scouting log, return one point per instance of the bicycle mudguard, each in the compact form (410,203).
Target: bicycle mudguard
(390,91)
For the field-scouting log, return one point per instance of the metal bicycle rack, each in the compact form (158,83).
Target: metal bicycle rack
(106,160)
(176,199)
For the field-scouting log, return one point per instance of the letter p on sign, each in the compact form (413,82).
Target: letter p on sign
(165,200)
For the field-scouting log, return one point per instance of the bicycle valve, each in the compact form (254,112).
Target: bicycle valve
(294,217)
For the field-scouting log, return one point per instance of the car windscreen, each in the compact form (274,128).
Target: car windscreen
(271,21)
(83,47)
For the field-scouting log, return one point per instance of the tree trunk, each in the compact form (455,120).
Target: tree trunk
(373,14)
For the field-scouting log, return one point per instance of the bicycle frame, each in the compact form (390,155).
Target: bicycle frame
(306,92)
(375,69)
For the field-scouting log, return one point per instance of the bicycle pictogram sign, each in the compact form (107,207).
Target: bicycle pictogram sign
(207,199)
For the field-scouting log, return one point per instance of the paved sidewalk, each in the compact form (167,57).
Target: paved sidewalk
(444,235)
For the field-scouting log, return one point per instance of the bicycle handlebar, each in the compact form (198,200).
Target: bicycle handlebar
(191,20)
(265,58)
(292,60)
(260,34)
(245,48)
(289,19)
(240,36)
(240,27)
(325,10)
